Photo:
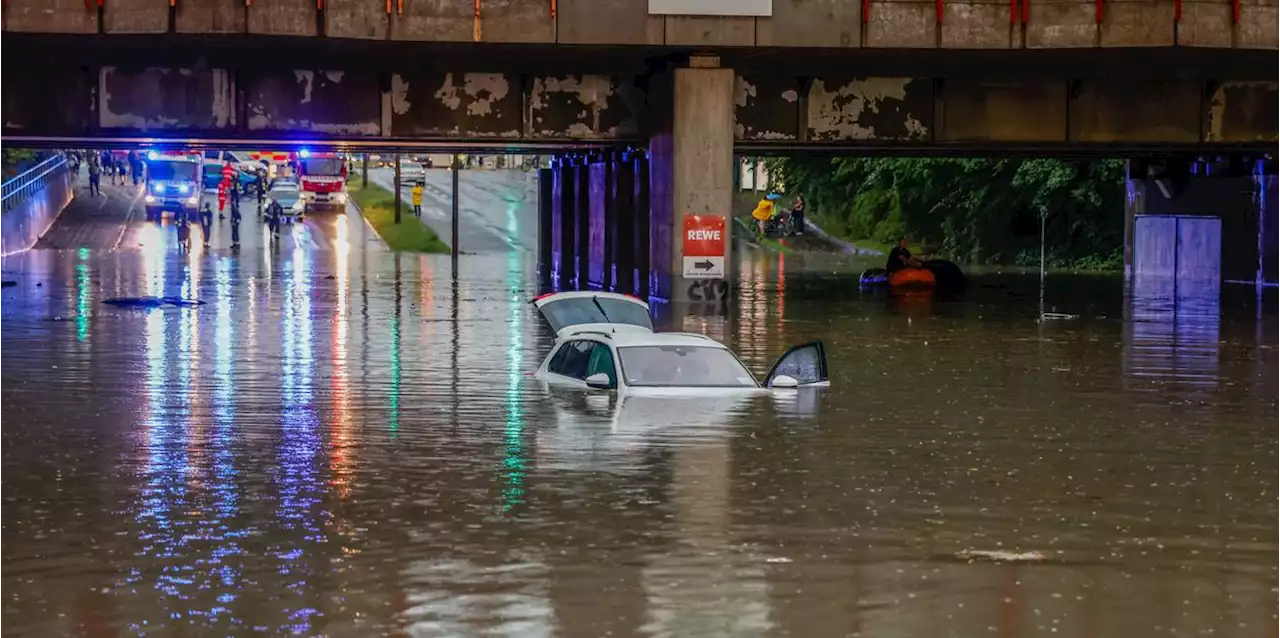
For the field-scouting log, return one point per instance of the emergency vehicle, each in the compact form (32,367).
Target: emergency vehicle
(322,178)
(173,182)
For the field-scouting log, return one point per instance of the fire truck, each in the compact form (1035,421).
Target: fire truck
(322,177)
(173,182)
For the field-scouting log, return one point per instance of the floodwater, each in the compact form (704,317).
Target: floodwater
(346,442)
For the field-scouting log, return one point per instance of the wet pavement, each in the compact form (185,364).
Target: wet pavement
(345,441)
(494,207)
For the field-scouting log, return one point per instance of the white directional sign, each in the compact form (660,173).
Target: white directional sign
(742,8)
(704,267)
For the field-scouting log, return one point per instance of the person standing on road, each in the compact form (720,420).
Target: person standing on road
(797,215)
(416,197)
(95,175)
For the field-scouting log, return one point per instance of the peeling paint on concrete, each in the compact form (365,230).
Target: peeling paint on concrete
(484,89)
(399,95)
(742,91)
(306,78)
(576,106)
(867,108)
(165,98)
(765,107)
(453,104)
(320,101)
(1242,111)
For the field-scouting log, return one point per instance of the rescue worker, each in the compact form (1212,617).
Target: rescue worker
(222,194)
(900,257)
(235,224)
(206,222)
(180,219)
(416,197)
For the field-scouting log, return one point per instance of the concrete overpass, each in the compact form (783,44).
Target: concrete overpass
(1123,78)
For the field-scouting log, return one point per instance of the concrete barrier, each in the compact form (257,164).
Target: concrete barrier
(22,225)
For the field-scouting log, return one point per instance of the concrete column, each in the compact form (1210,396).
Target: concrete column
(564,222)
(692,174)
(1191,188)
(624,240)
(640,200)
(600,270)
(546,190)
(582,217)
(1268,232)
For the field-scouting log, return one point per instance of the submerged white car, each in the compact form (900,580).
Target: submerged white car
(606,341)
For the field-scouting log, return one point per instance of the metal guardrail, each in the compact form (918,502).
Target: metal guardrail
(30,181)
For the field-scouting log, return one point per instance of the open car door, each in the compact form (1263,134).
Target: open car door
(566,309)
(806,363)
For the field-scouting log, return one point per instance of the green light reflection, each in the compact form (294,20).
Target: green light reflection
(514,464)
(83,292)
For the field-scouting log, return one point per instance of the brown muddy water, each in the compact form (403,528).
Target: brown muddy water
(346,442)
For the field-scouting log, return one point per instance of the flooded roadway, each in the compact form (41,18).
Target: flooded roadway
(345,441)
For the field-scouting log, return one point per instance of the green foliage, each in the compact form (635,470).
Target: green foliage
(973,210)
(378,206)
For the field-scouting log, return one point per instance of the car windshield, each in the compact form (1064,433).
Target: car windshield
(171,170)
(683,366)
(322,166)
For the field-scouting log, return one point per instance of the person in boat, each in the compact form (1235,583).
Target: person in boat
(900,257)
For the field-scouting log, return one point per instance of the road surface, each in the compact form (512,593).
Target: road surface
(116,220)
(498,209)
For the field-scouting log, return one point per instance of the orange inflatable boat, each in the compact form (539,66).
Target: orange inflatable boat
(907,278)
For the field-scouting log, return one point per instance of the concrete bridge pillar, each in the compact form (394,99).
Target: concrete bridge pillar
(691,182)
(582,219)
(546,223)
(1193,220)
(641,200)
(623,239)
(564,222)
(603,222)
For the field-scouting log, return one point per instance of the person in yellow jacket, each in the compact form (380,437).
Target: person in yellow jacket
(764,211)
(416,198)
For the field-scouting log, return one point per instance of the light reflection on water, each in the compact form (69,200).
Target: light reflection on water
(349,443)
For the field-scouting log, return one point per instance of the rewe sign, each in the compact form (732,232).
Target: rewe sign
(742,8)
(704,247)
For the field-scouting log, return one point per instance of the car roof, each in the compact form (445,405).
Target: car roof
(623,335)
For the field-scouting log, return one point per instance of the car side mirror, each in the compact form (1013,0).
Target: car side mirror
(600,381)
(784,381)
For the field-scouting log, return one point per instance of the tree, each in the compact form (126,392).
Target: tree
(974,210)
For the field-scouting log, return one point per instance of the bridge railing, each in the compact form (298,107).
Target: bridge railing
(31,181)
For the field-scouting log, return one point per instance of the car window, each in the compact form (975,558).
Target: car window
(683,366)
(602,362)
(572,359)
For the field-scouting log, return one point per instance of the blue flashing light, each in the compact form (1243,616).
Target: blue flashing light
(151,155)
(304,153)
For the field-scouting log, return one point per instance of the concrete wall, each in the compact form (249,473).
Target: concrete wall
(912,24)
(357,19)
(314,101)
(21,227)
(283,17)
(155,98)
(210,16)
(769,107)
(50,16)
(135,16)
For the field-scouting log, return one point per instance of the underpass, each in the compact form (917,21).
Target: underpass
(116,221)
